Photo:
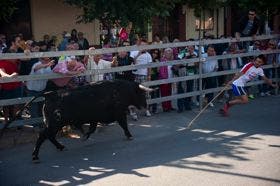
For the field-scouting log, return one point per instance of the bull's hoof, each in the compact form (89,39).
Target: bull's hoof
(62,148)
(85,137)
(129,138)
(35,159)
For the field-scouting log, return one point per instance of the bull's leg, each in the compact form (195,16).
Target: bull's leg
(123,123)
(42,137)
(51,135)
(91,130)
(79,126)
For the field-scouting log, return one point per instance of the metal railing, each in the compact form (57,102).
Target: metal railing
(135,67)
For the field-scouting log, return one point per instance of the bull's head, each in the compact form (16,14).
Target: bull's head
(145,88)
(141,96)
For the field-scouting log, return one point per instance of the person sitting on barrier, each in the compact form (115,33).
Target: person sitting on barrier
(248,26)
(36,87)
(249,72)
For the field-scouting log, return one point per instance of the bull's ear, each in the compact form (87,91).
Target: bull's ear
(145,88)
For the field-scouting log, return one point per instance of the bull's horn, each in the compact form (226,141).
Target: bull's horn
(146,88)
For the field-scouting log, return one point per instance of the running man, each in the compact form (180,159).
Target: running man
(249,72)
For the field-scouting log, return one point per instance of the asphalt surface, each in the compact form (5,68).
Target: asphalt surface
(243,149)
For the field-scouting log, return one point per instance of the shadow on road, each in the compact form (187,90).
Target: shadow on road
(161,140)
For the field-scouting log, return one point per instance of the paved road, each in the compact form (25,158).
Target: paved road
(243,149)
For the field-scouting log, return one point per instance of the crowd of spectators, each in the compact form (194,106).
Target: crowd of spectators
(75,65)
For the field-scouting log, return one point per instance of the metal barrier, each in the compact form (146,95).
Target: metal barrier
(33,121)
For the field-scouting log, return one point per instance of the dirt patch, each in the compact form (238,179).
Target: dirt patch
(13,137)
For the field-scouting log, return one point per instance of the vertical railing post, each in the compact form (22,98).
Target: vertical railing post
(200,65)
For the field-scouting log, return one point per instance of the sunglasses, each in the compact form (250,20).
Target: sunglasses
(252,14)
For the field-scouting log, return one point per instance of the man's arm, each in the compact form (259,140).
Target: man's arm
(4,74)
(40,66)
(236,76)
(237,36)
(114,62)
(269,81)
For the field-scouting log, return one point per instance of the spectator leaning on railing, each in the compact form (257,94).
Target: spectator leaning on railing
(209,66)
(94,62)
(69,67)
(9,68)
(36,87)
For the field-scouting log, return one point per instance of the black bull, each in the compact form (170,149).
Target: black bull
(105,102)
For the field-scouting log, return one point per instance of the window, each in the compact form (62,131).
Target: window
(207,20)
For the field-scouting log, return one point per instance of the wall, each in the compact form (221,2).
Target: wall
(53,16)
(190,24)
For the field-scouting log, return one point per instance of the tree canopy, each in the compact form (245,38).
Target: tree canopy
(7,8)
(139,11)
(123,10)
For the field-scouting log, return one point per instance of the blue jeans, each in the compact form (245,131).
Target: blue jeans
(208,83)
(182,102)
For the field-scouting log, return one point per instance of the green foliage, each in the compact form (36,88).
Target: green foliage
(264,8)
(7,8)
(136,11)
(260,5)
(199,5)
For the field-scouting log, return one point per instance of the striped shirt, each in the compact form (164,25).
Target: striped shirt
(249,72)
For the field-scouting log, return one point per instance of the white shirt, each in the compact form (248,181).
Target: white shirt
(142,59)
(102,64)
(209,65)
(134,53)
(250,72)
(38,85)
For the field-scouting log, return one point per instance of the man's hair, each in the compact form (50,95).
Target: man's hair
(262,57)
(252,10)
(210,46)
(11,40)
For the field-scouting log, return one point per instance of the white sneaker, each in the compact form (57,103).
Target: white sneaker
(267,94)
(148,114)
(196,103)
(211,104)
(226,95)
(262,94)
(134,116)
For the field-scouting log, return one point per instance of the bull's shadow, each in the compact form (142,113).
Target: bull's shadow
(161,140)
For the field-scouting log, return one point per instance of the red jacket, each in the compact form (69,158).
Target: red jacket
(10,68)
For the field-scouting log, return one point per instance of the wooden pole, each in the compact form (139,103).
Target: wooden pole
(204,108)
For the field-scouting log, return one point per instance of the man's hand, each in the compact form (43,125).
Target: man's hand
(115,61)
(237,36)
(51,63)
(274,85)
(14,75)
